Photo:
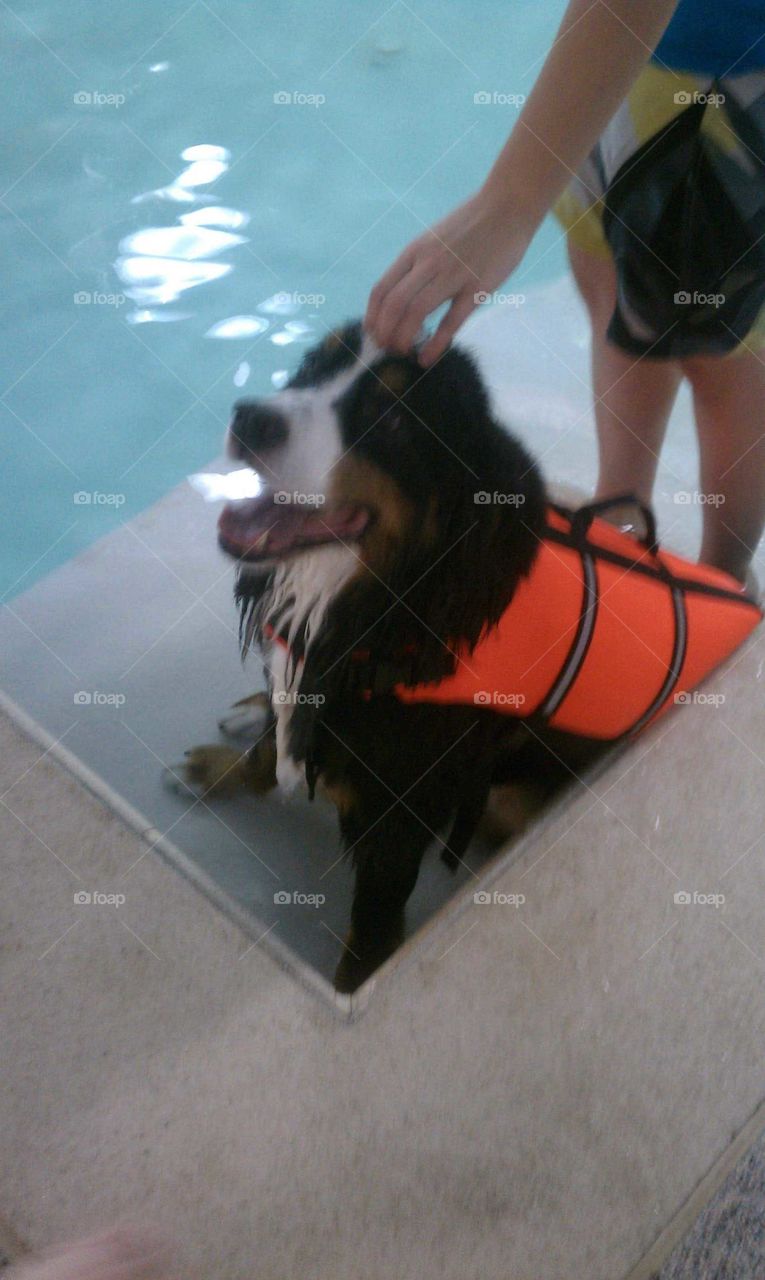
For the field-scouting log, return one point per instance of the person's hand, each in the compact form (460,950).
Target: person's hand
(469,253)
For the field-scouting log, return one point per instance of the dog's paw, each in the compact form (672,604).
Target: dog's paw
(248,718)
(207,771)
(358,963)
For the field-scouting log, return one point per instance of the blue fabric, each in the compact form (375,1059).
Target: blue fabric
(715,37)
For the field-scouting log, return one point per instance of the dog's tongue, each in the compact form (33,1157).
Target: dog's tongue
(264,527)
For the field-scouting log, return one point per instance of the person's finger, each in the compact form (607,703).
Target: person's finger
(400,297)
(420,307)
(386,282)
(456,316)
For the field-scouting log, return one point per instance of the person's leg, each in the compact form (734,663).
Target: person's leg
(729,405)
(633,397)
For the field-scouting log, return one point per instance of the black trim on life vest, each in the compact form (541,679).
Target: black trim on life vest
(581,519)
(614,557)
(582,639)
(676,661)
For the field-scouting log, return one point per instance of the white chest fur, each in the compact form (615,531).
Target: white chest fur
(309,583)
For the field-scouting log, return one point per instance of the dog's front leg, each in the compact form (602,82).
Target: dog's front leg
(387,855)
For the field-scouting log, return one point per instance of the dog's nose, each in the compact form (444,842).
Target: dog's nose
(255,427)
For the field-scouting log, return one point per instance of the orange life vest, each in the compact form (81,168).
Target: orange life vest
(604,634)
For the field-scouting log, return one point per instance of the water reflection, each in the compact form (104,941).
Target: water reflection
(293,331)
(238,327)
(160,280)
(190,243)
(215,216)
(206,164)
(279,304)
(157,317)
(157,264)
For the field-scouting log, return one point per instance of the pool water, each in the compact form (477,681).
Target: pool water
(192,192)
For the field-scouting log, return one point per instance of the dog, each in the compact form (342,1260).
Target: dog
(385,565)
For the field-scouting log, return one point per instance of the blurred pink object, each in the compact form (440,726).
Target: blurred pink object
(123,1253)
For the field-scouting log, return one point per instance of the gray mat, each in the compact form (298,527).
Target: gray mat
(727,1241)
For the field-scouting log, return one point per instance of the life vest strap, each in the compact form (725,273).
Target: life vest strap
(576,537)
(649,569)
(582,518)
(582,637)
(679,647)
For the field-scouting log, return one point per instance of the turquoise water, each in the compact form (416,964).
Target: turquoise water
(174,235)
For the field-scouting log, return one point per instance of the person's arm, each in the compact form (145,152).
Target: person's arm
(598,53)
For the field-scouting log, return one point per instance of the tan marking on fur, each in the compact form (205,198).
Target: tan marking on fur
(222,771)
(342,796)
(259,699)
(260,766)
(510,809)
(359,482)
(395,377)
(215,768)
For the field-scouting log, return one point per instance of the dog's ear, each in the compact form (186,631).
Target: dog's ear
(490,531)
(490,504)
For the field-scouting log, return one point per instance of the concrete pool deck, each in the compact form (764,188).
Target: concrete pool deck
(534,1096)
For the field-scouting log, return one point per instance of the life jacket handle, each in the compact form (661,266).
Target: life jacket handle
(583,518)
